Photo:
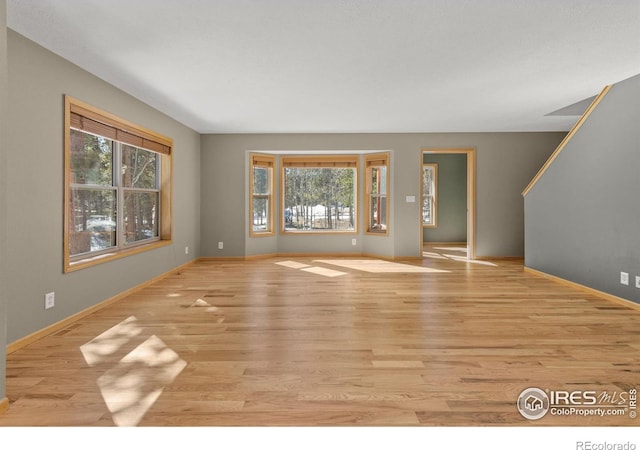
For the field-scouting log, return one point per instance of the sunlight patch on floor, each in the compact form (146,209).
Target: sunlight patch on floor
(433,255)
(452,249)
(208,307)
(311,269)
(323,271)
(472,261)
(452,253)
(378,266)
(100,348)
(131,387)
(292,264)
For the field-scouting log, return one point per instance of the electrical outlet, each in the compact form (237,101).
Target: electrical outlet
(353,241)
(186,250)
(49,300)
(624,278)
(220,245)
(638,282)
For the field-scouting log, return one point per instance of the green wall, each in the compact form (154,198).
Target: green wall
(451,223)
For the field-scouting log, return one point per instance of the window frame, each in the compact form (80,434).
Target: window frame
(370,161)
(91,120)
(320,161)
(268,161)
(434,206)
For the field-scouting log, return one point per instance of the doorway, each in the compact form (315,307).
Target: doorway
(431,177)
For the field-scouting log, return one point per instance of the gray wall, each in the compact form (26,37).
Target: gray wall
(38,79)
(506,162)
(451,218)
(3,189)
(583,214)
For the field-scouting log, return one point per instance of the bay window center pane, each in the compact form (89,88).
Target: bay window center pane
(319,199)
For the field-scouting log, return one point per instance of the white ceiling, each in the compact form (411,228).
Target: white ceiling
(249,66)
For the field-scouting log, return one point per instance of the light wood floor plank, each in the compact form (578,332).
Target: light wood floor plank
(260,343)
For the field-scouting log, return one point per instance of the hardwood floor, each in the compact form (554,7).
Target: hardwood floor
(329,341)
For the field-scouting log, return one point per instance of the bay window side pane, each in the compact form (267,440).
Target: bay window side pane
(378,214)
(261,180)
(261,216)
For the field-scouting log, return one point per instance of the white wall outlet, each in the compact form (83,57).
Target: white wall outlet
(220,245)
(410,198)
(624,278)
(49,300)
(638,282)
(353,241)
(186,250)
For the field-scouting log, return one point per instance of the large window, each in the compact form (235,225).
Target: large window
(261,208)
(117,187)
(377,195)
(319,194)
(429,194)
